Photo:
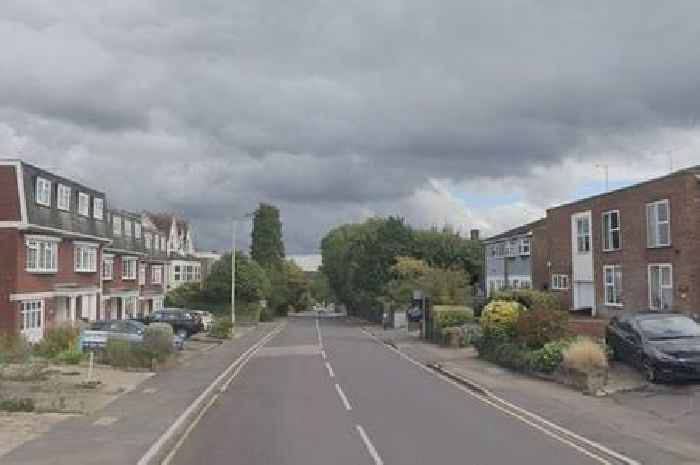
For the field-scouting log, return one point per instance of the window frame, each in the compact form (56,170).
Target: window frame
(84,252)
(95,202)
(86,197)
(660,266)
(586,237)
(37,307)
(116,225)
(43,186)
(41,245)
(147,240)
(560,282)
(657,224)
(129,274)
(137,230)
(613,269)
(127,227)
(157,274)
(63,192)
(522,246)
(105,260)
(608,235)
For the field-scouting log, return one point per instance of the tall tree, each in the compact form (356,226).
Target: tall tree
(252,284)
(267,247)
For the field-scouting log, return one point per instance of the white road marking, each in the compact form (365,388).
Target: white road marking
(323,354)
(189,429)
(105,421)
(370,447)
(494,401)
(318,332)
(343,398)
(330,370)
(150,391)
(171,431)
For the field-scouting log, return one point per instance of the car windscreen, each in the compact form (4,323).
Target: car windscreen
(669,328)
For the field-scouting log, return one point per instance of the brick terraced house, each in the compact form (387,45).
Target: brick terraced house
(52,235)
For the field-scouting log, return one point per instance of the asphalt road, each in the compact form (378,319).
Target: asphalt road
(327,393)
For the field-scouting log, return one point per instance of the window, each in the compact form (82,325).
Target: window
(156,274)
(661,286)
(142,274)
(85,258)
(63,197)
(492,250)
(176,270)
(162,243)
(117,225)
(30,317)
(128,268)
(560,281)
(137,230)
(658,224)
(613,285)
(42,255)
(501,249)
(157,303)
(83,204)
(525,246)
(583,234)
(197,273)
(127,227)
(43,192)
(130,306)
(147,240)
(98,208)
(189,273)
(107,268)
(611,230)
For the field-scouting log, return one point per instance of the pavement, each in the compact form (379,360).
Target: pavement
(126,429)
(324,391)
(655,424)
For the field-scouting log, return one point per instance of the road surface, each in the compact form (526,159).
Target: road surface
(324,392)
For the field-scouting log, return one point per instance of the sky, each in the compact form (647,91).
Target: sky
(476,114)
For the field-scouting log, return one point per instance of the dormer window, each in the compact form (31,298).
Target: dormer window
(117,225)
(63,197)
(43,192)
(127,227)
(83,204)
(137,230)
(98,208)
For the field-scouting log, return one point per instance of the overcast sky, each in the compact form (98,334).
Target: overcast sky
(479,114)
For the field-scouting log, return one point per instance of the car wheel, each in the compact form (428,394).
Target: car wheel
(650,372)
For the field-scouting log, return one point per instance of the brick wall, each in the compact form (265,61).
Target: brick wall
(9,197)
(9,238)
(634,257)
(117,282)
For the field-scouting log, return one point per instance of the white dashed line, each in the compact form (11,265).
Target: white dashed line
(343,398)
(370,447)
(105,421)
(318,331)
(323,354)
(330,370)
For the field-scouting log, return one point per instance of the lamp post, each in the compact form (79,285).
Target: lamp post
(233,266)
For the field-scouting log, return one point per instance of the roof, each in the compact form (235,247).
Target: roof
(518,231)
(164,221)
(693,170)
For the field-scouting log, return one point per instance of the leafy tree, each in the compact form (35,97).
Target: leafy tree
(252,283)
(447,250)
(290,288)
(267,247)
(185,295)
(443,286)
(321,288)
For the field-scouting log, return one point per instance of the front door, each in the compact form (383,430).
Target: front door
(582,261)
(31,320)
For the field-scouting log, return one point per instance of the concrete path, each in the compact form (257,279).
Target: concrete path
(125,430)
(332,394)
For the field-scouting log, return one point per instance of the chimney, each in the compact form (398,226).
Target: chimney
(474,234)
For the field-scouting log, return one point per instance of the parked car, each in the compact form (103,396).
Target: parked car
(665,346)
(205,317)
(97,334)
(183,321)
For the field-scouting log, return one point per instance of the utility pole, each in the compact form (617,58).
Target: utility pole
(605,167)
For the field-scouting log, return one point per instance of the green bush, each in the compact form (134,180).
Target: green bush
(69,357)
(449,316)
(17,405)
(541,325)
(58,339)
(158,340)
(122,354)
(472,334)
(14,348)
(500,316)
(548,358)
(529,298)
(221,328)
(267,314)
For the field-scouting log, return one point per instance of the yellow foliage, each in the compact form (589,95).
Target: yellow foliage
(500,316)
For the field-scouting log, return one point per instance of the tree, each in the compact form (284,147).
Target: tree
(443,285)
(321,288)
(290,288)
(448,250)
(252,283)
(267,248)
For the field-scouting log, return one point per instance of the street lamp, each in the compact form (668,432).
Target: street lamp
(233,266)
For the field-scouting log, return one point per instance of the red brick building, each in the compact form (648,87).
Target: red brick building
(627,250)
(52,235)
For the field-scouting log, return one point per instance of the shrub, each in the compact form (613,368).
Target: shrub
(541,325)
(530,298)
(584,355)
(221,328)
(69,357)
(449,316)
(267,314)
(158,340)
(499,317)
(122,354)
(58,339)
(14,348)
(17,405)
(472,334)
(548,358)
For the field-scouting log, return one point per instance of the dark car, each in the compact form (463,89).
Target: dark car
(665,346)
(182,321)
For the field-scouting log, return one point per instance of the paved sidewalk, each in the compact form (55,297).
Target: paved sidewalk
(639,433)
(123,431)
